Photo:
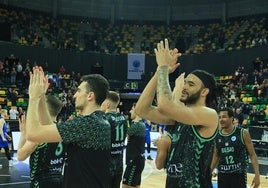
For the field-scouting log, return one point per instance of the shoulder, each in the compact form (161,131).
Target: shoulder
(205,115)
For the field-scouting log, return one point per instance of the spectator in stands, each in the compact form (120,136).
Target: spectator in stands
(257,63)
(1,72)
(13,113)
(62,70)
(238,114)
(255,88)
(13,75)
(21,112)
(236,123)
(246,107)
(261,116)
(253,115)
(233,145)
(12,96)
(6,74)
(264,89)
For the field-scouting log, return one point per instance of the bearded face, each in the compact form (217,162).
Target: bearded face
(188,98)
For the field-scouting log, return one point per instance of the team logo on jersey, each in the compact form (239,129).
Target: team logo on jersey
(233,138)
(226,144)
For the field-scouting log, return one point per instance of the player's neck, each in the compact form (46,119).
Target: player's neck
(228,130)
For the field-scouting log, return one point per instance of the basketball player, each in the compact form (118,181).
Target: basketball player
(135,159)
(118,124)
(189,159)
(46,159)
(4,137)
(233,145)
(87,137)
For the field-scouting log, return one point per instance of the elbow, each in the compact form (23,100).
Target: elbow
(162,108)
(31,137)
(158,165)
(139,111)
(20,157)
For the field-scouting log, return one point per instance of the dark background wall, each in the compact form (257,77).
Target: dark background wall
(115,66)
(146,10)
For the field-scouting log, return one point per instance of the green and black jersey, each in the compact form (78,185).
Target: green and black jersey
(232,152)
(88,140)
(188,163)
(136,140)
(46,163)
(118,124)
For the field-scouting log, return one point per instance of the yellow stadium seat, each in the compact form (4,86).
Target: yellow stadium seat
(2,92)
(9,103)
(20,100)
(249,99)
(244,99)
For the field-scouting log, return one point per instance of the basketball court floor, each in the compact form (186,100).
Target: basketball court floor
(17,176)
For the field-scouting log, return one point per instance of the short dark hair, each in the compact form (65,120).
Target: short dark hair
(229,111)
(97,84)
(54,105)
(114,97)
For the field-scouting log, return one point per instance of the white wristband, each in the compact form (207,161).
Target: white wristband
(215,171)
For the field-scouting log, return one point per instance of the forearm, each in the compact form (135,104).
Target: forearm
(215,159)
(163,88)
(26,150)
(32,118)
(45,119)
(214,164)
(146,99)
(255,164)
(22,140)
(160,159)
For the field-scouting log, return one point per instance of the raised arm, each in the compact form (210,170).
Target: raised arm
(45,118)
(144,107)
(35,132)
(25,148)
(199,115)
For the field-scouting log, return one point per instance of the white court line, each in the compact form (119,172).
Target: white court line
(15,183)
(5,175)
(25,176)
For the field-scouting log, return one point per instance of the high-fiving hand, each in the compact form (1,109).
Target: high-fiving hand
(179,83)
(38,83)
(165,56)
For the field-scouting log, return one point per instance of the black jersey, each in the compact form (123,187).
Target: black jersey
(136,140)
(46,163)
(118,124)
(88,140)
(232,153)
(188,163)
